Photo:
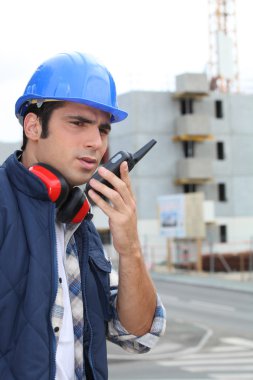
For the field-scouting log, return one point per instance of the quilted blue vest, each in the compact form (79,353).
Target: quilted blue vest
(28,281)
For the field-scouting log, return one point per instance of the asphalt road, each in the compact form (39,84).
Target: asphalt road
(209,336)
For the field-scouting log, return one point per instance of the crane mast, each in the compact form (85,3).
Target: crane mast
(223,46)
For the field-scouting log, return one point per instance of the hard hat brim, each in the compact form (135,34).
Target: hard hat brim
(117,114)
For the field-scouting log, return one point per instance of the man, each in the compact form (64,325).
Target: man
(57,306)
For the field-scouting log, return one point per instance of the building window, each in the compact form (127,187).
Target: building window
(219,109)
(190,188)
(220,150)
(188,147)
(223,234)
(222,196)
(186,106)
(105,236)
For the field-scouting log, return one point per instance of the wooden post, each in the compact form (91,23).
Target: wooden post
(199,255)
(169,255)
(241,256)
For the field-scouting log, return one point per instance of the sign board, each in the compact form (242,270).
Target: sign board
(182,216)
(171,214)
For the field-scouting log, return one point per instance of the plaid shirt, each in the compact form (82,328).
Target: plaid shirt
(116,333)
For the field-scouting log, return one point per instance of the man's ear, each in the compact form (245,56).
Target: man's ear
(32,127)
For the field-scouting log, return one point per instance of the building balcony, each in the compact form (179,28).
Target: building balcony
(193,127)
(194,171)
(191,85)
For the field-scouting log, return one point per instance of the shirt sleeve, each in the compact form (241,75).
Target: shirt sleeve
(136,344)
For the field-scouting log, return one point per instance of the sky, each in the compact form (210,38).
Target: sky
(144,43)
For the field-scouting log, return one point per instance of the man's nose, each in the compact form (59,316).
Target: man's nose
(92,138)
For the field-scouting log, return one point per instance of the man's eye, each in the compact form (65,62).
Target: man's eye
(104,131)
(78,123)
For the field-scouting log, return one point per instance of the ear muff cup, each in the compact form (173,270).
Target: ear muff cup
(72,205)
(57,186)
(75,208)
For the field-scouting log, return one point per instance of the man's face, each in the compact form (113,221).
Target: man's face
(76,143)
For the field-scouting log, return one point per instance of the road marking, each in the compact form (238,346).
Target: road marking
(201,362)
(166,347)
(227,349)
(199,346)
(238,341)
(221,355)
(225,364)
(226,368)
(241,376)
(213,306)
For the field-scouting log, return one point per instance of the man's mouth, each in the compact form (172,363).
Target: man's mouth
(89,163)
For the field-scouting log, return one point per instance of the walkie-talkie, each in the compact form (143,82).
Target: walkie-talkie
(114,163)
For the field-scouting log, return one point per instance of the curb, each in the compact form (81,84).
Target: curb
(210,282)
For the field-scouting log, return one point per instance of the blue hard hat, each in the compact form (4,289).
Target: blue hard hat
(73,77)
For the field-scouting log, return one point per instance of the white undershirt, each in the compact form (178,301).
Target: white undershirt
(65,348)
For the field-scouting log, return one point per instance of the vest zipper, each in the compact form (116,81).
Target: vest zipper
(54,289)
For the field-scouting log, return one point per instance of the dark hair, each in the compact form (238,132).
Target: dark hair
(44,113)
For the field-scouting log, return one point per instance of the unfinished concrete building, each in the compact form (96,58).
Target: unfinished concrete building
(204,144)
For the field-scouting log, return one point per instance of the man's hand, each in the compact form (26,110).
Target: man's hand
(136,300)
(121,210)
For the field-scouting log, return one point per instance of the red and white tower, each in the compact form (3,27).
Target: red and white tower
(223,47)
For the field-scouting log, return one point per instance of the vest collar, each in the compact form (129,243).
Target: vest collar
(23,179)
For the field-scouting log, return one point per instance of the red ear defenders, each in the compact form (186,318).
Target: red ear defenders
(72,204)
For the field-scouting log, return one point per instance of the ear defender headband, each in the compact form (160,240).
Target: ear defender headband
(72,204)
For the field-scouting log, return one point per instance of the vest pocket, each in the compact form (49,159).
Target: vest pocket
(101,269)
